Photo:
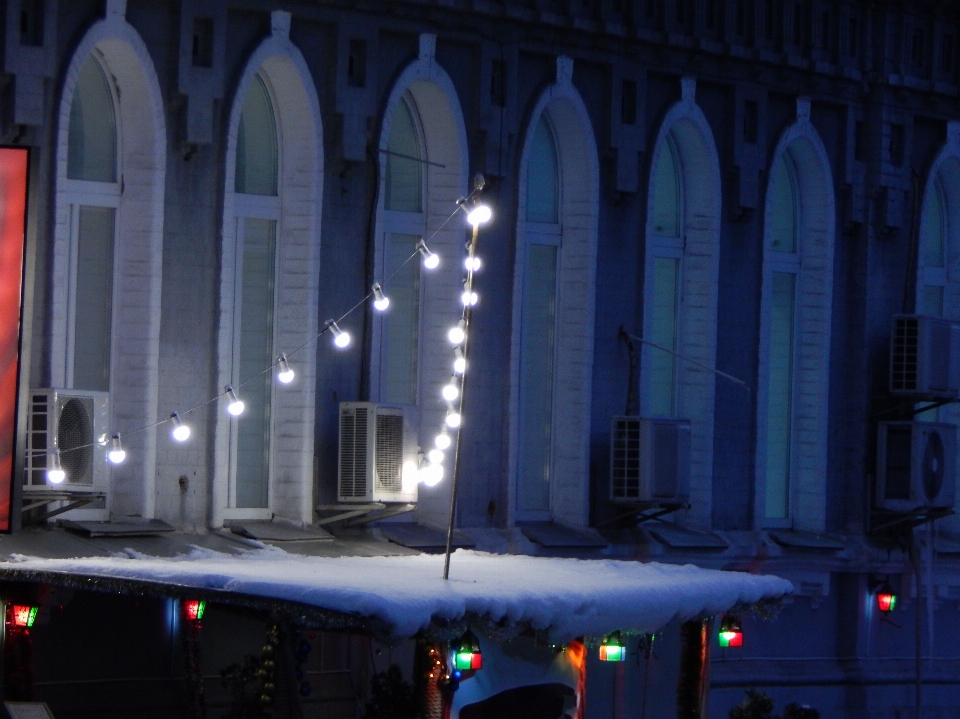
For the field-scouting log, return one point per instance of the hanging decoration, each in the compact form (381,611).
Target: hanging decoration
(18,652)
(267,667)
(731,634)
(468,656)
(194,609)
(23,615)
(612,648)
(886,598)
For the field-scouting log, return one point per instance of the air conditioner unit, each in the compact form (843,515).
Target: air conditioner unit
(925,357)
(372,455)
(74,422)
(650,459)
(916,462)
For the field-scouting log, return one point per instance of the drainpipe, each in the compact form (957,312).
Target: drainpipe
(694,682)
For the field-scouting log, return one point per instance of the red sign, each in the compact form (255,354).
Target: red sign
(13,204)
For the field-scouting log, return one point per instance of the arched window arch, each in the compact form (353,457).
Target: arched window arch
(553,310)
(269,287)
(681,267)
(107,250)
(795,332)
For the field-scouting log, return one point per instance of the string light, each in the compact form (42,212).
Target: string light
(471,264)
(458,334)
(380,300)
(479,215)
(180,431)
(430,259)
(459,361)
(435,456)
(442,440)
(340,338)
(285,374)
(469,298)
(55,473)
(450,390)
(432,474)
(453,418)
(116,455)
(236,406)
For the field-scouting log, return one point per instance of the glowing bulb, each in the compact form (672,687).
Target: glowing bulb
(285,374)
(55,473)
(432,474)
(181,432)
(469,299)
(380,300)
(453,419)
(471,264)
(430,260)
(236,404)
(457,334)
(116,455)
(340,338)
(435,456)
(442,441)
(450,390)
(460,362)
(479,215)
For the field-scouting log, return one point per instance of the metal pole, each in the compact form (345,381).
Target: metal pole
(467,312)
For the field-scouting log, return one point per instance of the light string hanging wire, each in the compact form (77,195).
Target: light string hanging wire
(477,214)
(285,373)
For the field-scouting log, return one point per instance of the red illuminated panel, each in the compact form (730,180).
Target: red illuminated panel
(13,201)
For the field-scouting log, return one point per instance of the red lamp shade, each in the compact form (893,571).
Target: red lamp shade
(731,634)
(23,615)
(886,599)
(194,609)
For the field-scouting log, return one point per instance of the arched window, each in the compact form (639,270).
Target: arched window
(784,266)
(933,260)
(403,225)
(538,323)
(257,207)
(92,195)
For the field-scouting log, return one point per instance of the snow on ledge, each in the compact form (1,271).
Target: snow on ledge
(568,597)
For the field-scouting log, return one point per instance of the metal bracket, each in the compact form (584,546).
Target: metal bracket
(647,511)
(356,514)
(909,520)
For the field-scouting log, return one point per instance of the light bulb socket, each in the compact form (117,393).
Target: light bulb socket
(235,406)
(116,454)
(380,300)
(181,432)
(430,259)
(285,374)
(340,338)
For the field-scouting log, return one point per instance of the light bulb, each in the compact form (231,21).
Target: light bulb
(285,374)
(340,338)
(460,362)
(435,456)
(432,474)
(430,259)
(116,455)
(458,334)
(469,299)
(55,473)
(380,300)
(180,432)
(442,441)
(236,404)
(471,264)
(453,419)
(479,215)
(450,390)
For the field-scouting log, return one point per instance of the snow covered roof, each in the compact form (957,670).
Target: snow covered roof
(566,597)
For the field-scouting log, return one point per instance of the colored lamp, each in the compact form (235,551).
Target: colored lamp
(731,634)
(612,648)
(194,609)
(23,615)
(886,599)
(468,656)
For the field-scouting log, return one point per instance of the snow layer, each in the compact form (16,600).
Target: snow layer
(568,597)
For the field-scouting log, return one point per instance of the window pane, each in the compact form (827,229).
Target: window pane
(666,193)
(404,182)
(780,395)
(663,327)
(537,341)
(542,182)
(782,206)
(92,138)
(256,352)
(933,227)
(401,331)
(94,299)
(256,172)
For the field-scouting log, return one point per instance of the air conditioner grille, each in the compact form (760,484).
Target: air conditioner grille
(899,448)
(389,455)
(353,452)
(666,441)
(74,439)
(625,458)
(903,367)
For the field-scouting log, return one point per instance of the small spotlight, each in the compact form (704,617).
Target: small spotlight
(116,455)
(380,300)
(340,338)
(180,432)
(235,407)
(285,374)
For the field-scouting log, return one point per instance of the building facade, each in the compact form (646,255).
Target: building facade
(706,212)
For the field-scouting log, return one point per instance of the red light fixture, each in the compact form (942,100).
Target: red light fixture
(731,634)
(194,609)
(886,599)
(22,615)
